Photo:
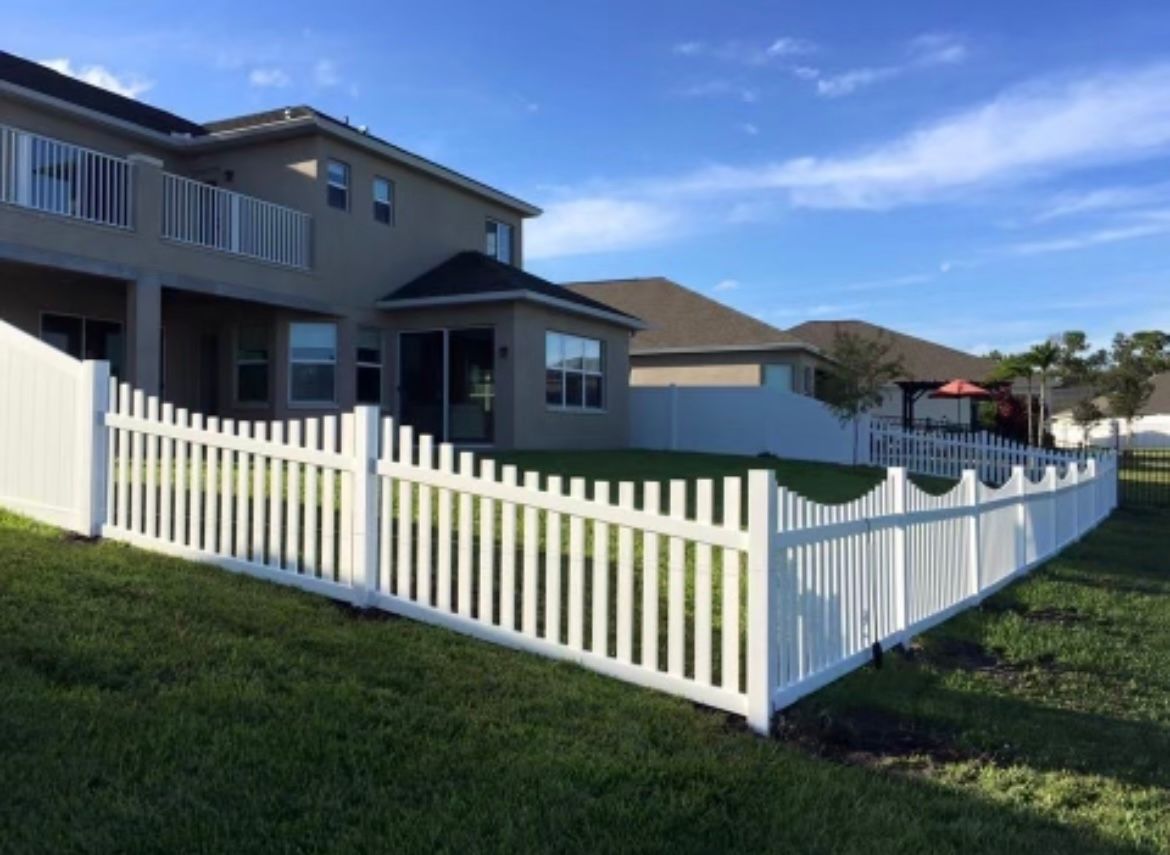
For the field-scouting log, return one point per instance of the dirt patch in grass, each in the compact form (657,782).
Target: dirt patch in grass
(83,539)
(957,653)
(359,614)
(866,736)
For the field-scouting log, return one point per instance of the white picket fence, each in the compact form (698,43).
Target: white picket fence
(738,595)
(948,455)
(746,609)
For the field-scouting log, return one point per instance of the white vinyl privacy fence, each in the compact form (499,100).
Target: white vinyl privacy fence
(738,595)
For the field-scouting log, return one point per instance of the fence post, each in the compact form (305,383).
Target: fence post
(1020,476)
(971,499)
(92,467)
(900,488)
(762,619)
(1075,492)
(1094,490)
(1051,476)
(365,504)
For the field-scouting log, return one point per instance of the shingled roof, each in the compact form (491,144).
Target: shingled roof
(924,360)
(679,320)
(32,75)
(471,277)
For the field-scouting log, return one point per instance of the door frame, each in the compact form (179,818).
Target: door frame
(446,408)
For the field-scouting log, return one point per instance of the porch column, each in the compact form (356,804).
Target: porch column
(144,332)
(346,379)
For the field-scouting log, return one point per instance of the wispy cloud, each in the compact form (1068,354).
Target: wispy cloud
(127,85)
(721,89)
(1104,199)
(725,285)
(1085,240)
(598,224)
(750,129)
(922,52)
(269,78)
(325,74)
(746,53)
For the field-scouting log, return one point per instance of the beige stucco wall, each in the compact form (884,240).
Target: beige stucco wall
(728,368)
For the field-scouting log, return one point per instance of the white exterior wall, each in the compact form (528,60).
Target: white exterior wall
(1148,432)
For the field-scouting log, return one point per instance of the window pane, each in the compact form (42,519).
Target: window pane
(383,200)
(313,342)
(574,390)
(338,198)
(103,340)
(381,190)
(252,344)
(554,388)
(491,239)
(63,333)
(593,392)
(778,377)
(252,383)
(369,385)
(592,355)
(312,383)
(554,344)
(574,353)
(369,346)
(504,242)
(338,173)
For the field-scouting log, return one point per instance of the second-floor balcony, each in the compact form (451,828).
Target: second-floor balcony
(60,178)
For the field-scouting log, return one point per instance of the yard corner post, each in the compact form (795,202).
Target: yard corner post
(365,504)
(971,500)
(762,563)
(92,467)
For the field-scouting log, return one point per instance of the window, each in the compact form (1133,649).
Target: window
(312,353)
(369,366)
(384,201)
(252,365)
(85,338)
(574,372)
(498,241)
(338,177)
(778,377)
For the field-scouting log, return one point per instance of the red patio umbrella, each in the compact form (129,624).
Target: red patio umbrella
(960,390)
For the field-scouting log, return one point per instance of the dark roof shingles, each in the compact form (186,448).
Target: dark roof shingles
(678,318)
(471,272)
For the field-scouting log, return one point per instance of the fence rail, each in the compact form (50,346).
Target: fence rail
(199,214)
(56,177)
(948,455)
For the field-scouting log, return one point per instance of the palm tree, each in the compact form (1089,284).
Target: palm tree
(1044,358)
(1013,367)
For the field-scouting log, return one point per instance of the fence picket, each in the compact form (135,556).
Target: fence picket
(243,493)
(443,575)
(703,509)
(464,531)
(552,565)
(676,570)
(182,475)
(531,547)
(311,528)
(422,581)
(165,500)
(625,581)
(405,514)
(577,569)
(487,547)
(328,554)
(508,554)
(651,501)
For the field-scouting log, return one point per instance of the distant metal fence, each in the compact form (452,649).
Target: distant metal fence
(1144,477)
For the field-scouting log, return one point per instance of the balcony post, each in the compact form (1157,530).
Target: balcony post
(144,332)
(147,194)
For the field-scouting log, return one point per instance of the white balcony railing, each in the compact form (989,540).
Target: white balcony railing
(61,178)
(203,215)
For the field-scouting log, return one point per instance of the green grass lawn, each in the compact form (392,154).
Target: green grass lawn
(148,704)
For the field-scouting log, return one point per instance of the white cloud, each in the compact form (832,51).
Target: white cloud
(749,129)
(129,86)
(806,72)
(1091,239)
(598,224)
(746,53)
(720,89)
(1031,131)
(325,74)
(938,49)
(264,78)
(1104,199)
(725,285)
(850,81)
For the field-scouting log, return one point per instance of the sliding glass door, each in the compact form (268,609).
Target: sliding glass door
(447,384)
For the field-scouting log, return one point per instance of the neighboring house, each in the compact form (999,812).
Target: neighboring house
(286,263)
(927,365)
(692,340)
(1151,428)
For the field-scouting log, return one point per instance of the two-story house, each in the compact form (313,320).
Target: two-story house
(285,264)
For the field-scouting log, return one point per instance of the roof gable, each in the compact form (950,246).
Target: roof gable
(924,360)
(679,319)
(472,276)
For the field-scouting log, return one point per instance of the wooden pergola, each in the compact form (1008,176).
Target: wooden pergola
(913,390)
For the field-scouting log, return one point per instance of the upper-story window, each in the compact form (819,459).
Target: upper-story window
(498,242)
(338,178)
(384,201)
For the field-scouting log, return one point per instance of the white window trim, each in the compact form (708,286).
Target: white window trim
(582,409)
(393,203)
(347,187)
(312,404)
(237,362)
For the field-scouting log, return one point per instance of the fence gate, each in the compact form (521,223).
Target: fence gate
(1144,479)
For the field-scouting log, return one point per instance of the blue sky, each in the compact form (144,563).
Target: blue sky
(984,174)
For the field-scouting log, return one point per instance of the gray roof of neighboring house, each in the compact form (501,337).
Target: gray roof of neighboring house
(1158,405)
(472,276)
(32,75)
(679,320)
(923,360)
